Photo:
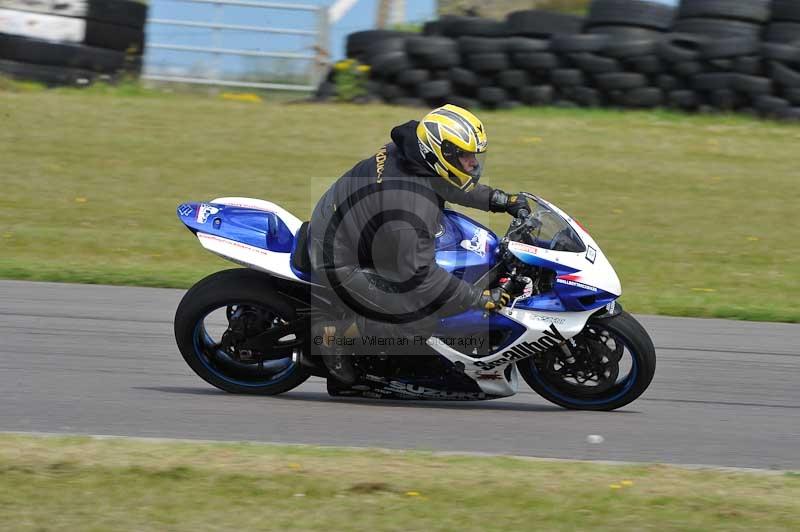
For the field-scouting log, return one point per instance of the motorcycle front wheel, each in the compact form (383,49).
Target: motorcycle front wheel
(605,367)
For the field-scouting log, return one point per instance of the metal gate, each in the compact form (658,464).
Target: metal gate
(299,70)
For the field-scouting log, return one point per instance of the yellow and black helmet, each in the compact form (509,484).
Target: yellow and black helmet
(453,143)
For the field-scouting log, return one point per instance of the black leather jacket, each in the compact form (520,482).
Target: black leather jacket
(365,205)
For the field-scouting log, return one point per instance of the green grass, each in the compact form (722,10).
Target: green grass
(75,483)
(696,213)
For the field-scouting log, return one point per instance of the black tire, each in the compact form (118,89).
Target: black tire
(749,65)
(432,28)
(771,105)
(689,68)
(492,96)
(231,287)
(647,64)
(429,46)
(390,91)
(128,13)
(495,62)
(719,65)
(787,32)
(627,48)
(463,77)
(513,79)
(477,27)
(579,43)
(43,52)
(385,46)
(537,95)
(385,66)
(757,11)
(725,100)
(718,28)
(526,45)
(726,48)
(414,76)
(359,43)
(433,52)
(585,96)
(640,13)
(51,76)
(792,114)
(784,75)
(625,32)
(325,91)
(788,53)
(628,332)
(753,85)
(438,62)
(596,64)
(680,47)
(537,23)
(568,77)
(536,61)
(621,81)
(683,99)
(482,45)
(712,81)
(669,83)
(792,96)
(643,98)
(786,10)
(113,37)
(432,90)
(449,25)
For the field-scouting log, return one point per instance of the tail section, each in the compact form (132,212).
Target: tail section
(250,232)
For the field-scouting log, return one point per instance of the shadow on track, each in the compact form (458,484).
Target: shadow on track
(323,397)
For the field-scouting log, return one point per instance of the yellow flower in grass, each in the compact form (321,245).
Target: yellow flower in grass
(241,97)
(364,68)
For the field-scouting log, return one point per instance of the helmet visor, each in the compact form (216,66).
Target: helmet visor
(470,163)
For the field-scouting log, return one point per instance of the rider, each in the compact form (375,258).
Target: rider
(371,235)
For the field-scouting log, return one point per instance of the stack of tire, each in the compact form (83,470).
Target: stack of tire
(700,55)
(468,61)
(71,42)
(614,62)
(781,55)
(714,55)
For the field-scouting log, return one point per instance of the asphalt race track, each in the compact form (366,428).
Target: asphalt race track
(103,360)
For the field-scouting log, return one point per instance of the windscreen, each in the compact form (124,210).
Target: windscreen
(550,231)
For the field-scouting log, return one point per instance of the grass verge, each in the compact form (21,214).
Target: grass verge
(693,211)
(78,483)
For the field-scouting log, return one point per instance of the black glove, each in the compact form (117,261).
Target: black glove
(510,203)
(493,300)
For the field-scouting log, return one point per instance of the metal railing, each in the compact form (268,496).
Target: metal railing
(319,59)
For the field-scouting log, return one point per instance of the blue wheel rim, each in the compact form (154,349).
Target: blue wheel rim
(202,341)
(628,381)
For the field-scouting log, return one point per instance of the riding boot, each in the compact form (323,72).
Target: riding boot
(335,354)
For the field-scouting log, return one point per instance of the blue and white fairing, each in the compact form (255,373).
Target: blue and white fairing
(251,232)
(585,282)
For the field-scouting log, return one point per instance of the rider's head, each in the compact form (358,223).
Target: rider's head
(453,143)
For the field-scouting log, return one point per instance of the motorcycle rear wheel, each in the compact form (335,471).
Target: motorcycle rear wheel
(222,295)
(624,338)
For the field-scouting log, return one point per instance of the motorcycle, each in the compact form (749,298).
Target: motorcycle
(246,330)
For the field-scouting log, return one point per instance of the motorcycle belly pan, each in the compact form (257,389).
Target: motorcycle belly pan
(544,330)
